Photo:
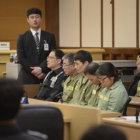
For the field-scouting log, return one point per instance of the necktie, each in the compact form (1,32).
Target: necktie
(37,41)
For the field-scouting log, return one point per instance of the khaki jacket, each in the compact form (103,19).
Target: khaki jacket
(138,90)
(82,82)
(94,95)
(69,88)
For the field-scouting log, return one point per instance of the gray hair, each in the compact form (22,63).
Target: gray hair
(70,57)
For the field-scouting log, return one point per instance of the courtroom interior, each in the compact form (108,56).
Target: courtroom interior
(77,63)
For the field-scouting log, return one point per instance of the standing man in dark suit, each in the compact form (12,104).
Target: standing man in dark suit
(33,47)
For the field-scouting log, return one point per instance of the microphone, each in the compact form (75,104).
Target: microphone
(137,115)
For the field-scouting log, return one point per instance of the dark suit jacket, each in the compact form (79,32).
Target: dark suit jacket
(49,93)
(28,56)
(132,89)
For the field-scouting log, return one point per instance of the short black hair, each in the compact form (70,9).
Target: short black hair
(33,11)
(58,53)
(91,68)
(70,57)
(11,93)
(109,70)
(83,56)
(103,132)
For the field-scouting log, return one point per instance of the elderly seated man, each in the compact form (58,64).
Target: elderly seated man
(52,84)
(71,81)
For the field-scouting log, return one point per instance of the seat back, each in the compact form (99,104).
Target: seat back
(125,107)
(31,89)
(46,119)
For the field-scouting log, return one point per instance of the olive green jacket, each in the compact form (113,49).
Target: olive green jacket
(85,91)
(113,98)
(69,87)
(93,98)
(138,90)
(80,87)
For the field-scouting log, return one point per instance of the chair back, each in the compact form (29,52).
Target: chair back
(46,119)
(125,107)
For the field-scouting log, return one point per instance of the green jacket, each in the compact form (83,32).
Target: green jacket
(138,90)
(93,98)
(78,89)
(85,90)
(69,87)
(113,98)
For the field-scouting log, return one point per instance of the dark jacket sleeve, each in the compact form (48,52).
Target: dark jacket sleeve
(52,46)
(57,89)
(21,54)
(132,89)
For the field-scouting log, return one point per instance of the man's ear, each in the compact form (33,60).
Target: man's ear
(86,63)
(59,61)
(28,20)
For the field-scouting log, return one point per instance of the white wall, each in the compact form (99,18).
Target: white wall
(91,23)
(124,23)
(69,23)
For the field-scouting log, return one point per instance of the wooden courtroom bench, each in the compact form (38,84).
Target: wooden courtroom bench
(77,119)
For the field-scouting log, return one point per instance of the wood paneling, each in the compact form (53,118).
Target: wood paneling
(120,53)
(13,18)
(52,18)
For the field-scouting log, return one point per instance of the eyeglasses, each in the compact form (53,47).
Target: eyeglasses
(64,65)
(49,57)
(102,80)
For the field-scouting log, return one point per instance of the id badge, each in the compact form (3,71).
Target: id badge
(53,79)
(46,47)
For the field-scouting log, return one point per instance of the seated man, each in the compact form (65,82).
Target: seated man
(93,97)
(132,89)
(11,93)
(84,86)
(52,84)
(70,83)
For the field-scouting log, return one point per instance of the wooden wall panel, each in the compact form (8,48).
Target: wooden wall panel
(125,23)
(107,23)
(91,23)
(13,18)
(69,23)
(52,18)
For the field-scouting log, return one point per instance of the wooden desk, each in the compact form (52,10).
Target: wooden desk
(131,129)
(134,103)
(5,58)
(77,118)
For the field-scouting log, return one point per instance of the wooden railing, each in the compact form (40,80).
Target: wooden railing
(120,53)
